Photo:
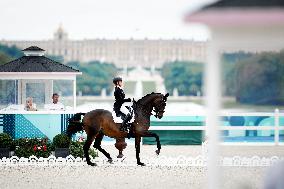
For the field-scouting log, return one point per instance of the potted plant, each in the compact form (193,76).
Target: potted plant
(76,150)
(6,143)
(61,143)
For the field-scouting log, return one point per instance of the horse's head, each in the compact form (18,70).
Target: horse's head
(153,101)
(160,104)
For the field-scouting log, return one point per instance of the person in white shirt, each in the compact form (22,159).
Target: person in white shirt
(55,101)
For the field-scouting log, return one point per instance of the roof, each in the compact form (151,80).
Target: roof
(245,3)
(35,64)
(33,48)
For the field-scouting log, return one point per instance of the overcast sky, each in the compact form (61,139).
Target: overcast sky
(89,19)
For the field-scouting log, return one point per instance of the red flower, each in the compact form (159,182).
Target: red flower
(44,147)
(35,148)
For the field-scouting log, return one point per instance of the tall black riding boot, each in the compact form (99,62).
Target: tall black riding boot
(124,123)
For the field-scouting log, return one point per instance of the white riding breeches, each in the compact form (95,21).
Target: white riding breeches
(123,109)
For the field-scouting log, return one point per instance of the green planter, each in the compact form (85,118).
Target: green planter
(61,152)
(4,152)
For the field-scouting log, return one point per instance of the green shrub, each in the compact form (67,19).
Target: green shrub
(61,141)
(76,150)
(27,147)
(6,141)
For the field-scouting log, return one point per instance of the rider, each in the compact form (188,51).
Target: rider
(119,106)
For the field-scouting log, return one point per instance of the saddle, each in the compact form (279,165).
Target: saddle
(117,118)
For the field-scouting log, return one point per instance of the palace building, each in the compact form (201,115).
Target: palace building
(130,53)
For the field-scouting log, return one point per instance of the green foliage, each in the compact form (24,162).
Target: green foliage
(57,58)
(4,58)
(7,54)
(229,62)
(6,140)
(76,150)
(185,76)
(27,147)
(260,80)
(12,51)
(61,141)
(96,76)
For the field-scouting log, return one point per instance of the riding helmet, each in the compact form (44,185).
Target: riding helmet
(116,79)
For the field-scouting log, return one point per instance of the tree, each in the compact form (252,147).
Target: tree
(57,58)
(185,76)
(260,80)
(4,58)
(229,62)
(7,54)
(96,77)
(12,51)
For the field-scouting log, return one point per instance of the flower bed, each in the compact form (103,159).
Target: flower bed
(42,147)
(25,147)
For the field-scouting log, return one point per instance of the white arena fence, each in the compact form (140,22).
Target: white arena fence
(200,161)
(276,127)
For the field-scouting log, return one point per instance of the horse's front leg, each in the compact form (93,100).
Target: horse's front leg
(137,147)
(150,134)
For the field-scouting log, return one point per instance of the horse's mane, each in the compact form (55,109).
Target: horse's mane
(146,96)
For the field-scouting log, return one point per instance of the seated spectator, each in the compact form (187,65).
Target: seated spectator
(56,105)
(29,105)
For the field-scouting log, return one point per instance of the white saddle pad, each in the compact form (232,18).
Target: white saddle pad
(119,120)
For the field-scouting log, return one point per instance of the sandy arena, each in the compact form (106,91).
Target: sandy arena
(114,176)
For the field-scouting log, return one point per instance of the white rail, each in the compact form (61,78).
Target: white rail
(276,127)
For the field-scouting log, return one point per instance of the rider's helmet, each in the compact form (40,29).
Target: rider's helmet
(116,79)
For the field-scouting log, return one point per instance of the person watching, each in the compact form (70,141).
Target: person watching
(29,105)
(56,105)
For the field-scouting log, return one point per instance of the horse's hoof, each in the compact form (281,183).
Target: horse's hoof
(142,164)
(120,156)
(110,161)
(92,164)
(157,152)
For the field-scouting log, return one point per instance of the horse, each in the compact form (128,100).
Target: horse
(98,123)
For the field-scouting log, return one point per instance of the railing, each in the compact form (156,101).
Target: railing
(276,127)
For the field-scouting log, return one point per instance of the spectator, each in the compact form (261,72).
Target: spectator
(29,105)
(56,105)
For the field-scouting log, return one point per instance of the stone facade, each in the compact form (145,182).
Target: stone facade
(131,52)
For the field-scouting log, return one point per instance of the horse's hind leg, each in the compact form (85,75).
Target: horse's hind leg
(97,145)
(86,149)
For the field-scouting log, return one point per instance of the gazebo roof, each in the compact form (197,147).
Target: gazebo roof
(35,63)
(33,48)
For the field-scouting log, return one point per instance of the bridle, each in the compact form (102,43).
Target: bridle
(160,108)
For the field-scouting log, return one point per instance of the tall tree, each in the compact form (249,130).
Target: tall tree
(186,77)
(260,79)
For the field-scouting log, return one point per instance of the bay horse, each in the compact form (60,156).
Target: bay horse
(98,123)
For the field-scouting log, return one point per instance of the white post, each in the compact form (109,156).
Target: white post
(213,101)
(74,94)
(276,127)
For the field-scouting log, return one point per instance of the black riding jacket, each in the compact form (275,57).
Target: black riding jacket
(119,99)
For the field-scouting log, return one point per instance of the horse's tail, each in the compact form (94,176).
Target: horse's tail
(74,124)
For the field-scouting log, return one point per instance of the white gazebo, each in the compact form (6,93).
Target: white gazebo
(255,25)
(35,75)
